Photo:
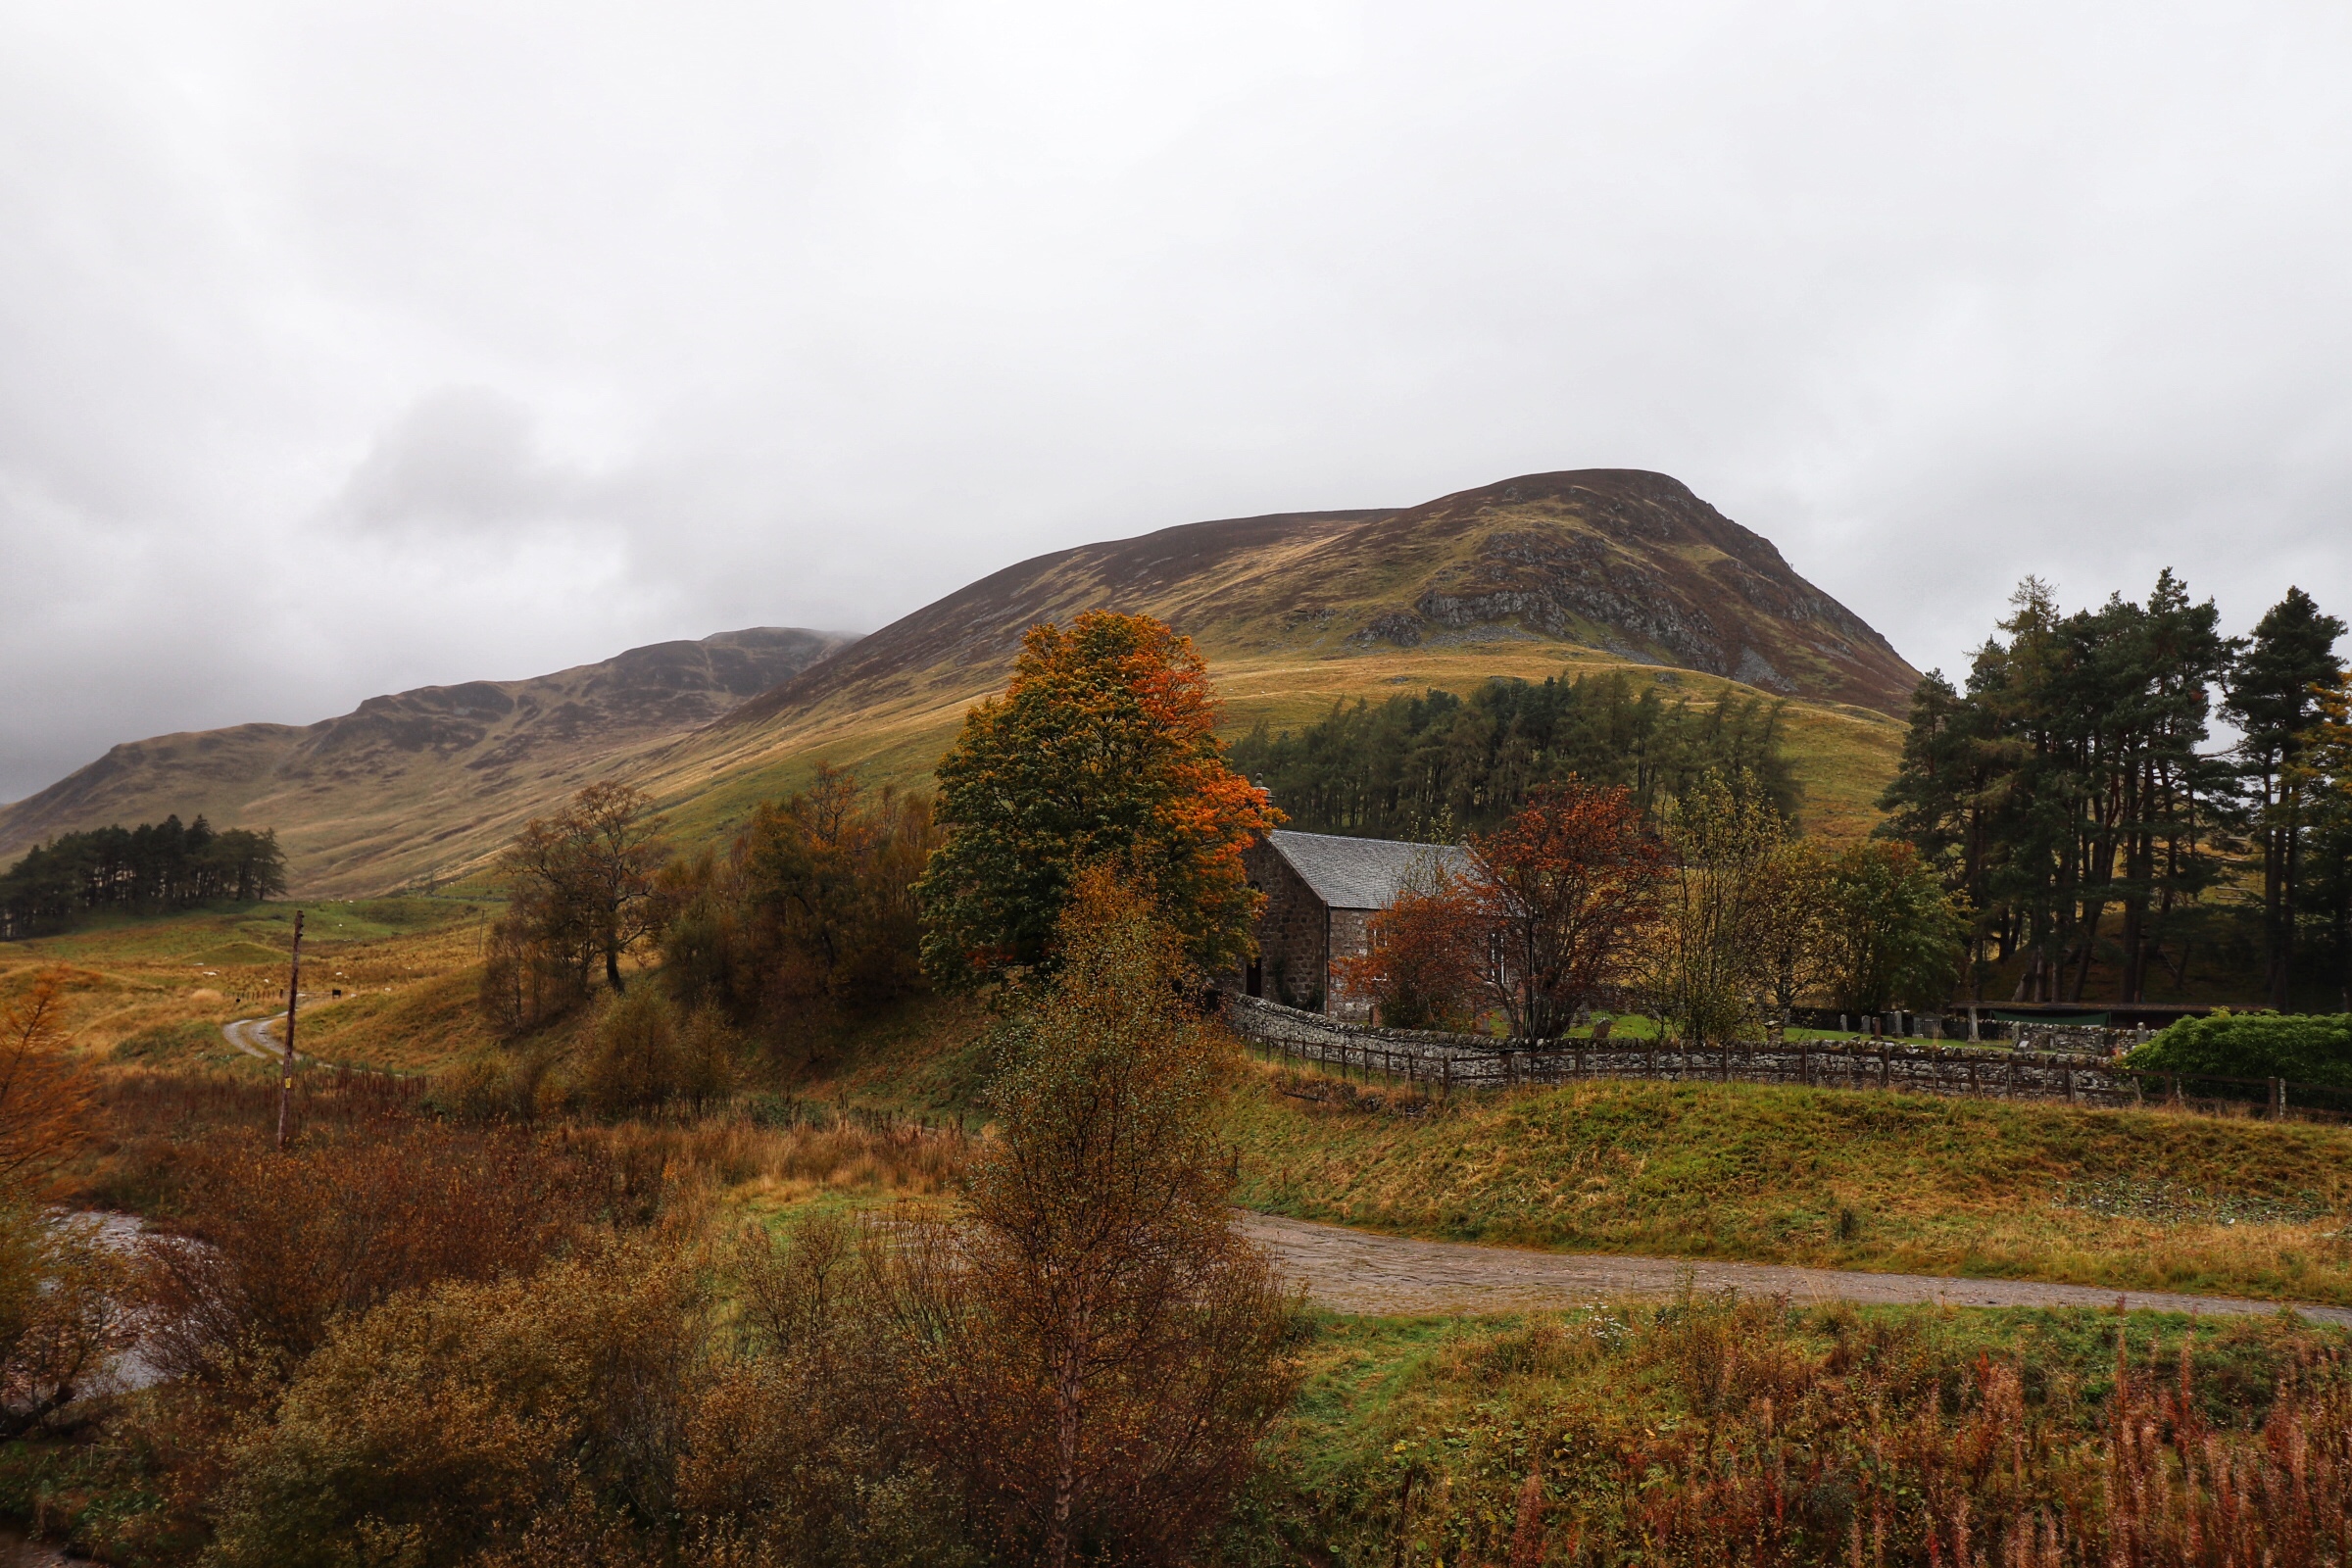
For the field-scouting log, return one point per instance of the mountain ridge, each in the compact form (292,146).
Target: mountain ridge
(483,739)
(1566,573)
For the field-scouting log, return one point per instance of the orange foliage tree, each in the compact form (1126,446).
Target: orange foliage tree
(43,1099)
(1422,968)
(1571,883)
(1102,750)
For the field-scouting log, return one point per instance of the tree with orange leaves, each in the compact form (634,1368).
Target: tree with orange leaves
(1102,750)
(1572,884)
(44,1100)
(1423,966)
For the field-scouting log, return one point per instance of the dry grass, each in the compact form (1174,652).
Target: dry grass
(1733,1431)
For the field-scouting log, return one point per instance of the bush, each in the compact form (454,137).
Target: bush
(294,1241)
(454,1420)
(2302,1048)
(69,1304)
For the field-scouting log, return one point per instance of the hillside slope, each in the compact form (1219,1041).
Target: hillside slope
(374,798)
(1556,574)
(1545,575)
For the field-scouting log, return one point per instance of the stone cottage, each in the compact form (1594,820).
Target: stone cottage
(1321,894)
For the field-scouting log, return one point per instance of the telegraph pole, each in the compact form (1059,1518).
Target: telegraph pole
(285,1080)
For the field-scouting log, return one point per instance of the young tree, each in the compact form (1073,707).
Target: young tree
(1423,968)
(44,1099)
(1102,750)
(1787,928)
(1096,1353)
(813,908)
(1701,968)
(1571,885)
(2273,695)
(1890,933)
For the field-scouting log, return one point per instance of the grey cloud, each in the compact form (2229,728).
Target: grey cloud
(347,350)
(461,458)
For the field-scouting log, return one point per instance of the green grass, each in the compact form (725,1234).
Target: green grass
(2140,1200)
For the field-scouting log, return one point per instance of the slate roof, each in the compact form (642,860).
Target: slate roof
(1363,873)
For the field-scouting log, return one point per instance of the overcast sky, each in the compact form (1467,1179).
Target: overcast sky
(348,348)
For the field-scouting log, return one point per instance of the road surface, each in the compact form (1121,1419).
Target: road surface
(1357,1271)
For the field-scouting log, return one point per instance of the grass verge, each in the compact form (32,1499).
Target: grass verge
(2141,1200)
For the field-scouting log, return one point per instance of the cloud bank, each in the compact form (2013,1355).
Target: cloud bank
(345,350)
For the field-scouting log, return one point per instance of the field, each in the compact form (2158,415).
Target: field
(157,991)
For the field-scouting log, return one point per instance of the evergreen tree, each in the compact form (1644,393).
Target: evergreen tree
(2271,697)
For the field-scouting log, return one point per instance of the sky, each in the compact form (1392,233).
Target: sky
(350,347)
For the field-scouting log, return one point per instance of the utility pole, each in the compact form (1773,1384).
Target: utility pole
(285,1080)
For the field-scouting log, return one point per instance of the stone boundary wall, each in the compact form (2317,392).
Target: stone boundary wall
(1442,1062)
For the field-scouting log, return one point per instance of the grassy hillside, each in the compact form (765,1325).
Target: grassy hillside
(1544,575)
(156,991)
(376,799)
(2144,1199)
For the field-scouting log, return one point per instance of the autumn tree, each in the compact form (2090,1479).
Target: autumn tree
(1570,885)
(1096,1353)
(1422,965)
(1786,924)
(44,1099)
(813,905)
(579,886)
(1102,751)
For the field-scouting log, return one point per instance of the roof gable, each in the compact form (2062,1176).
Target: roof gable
(1363,873)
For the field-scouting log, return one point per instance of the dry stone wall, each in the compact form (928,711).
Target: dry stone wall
(1447,1061)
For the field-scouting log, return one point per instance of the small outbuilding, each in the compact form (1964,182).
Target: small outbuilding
(1321,893)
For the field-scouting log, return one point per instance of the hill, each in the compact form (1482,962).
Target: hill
(1555,573)
(367,801)
(1544,575)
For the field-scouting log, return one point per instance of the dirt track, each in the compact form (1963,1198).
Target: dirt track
(1357,1271)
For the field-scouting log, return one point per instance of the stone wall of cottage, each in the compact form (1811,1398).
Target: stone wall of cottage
(1293,958)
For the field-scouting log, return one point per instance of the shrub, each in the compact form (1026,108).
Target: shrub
(69,1304)
(635,1064)
(465,1417)
(293,1241)
(2311,1048)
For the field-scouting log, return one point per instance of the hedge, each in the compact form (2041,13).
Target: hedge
(2302,1048)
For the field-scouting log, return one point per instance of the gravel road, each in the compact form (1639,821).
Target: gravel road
(1357,1271)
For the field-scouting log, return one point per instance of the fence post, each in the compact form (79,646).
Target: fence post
(2070,1084)
(1885,1069)
(2277,1099)
(1448,1077)
(1804,1066)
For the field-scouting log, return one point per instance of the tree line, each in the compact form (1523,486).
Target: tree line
(150,870)
(2071,794)
(1435,767)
